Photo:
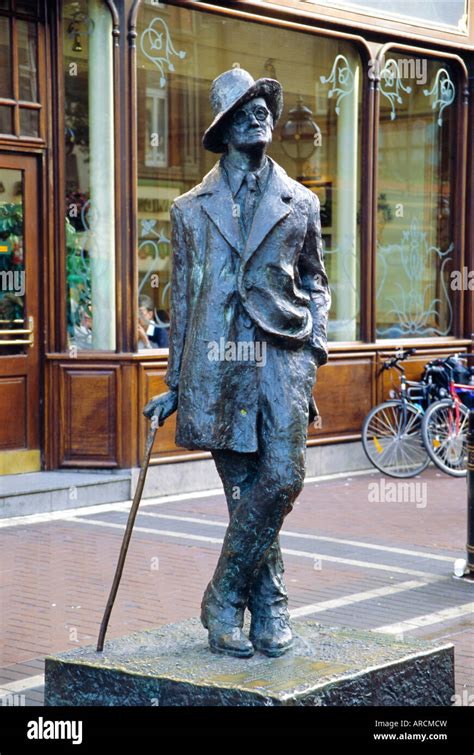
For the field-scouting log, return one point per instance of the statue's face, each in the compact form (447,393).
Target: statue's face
(250,126)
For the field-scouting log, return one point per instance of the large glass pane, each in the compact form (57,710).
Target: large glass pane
(317,140)
(29,122)
(90,210)
(27,54)
(13,339)
(5,58)
(433,12)
(415,211)
(6,119)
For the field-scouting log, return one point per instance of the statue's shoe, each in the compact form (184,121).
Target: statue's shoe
(225,633)
(271,635)
(228,639)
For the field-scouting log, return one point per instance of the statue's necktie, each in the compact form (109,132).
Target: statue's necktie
(250,200)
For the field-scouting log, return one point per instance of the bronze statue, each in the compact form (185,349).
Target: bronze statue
(249,308)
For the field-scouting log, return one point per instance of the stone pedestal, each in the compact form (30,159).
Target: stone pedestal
(173,665)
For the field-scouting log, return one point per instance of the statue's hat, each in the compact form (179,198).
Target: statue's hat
(231,90)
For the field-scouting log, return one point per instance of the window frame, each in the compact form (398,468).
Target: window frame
(15,102)
(367,109)
(459,196)
(282,14)
(60,339)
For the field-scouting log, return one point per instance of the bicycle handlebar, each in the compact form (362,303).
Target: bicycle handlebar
(393,362)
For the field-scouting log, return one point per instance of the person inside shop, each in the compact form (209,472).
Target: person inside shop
(152,330)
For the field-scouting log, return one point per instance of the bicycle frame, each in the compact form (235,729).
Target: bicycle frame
(453,389)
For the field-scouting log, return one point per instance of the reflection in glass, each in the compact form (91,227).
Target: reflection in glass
(343,84)
(180,52)
(29,122)
(432,12)
(12,264)
(5,58)
(6,119)
(27,54)
(89,146)
(415,218)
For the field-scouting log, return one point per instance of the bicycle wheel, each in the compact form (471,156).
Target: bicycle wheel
(445,436)
(391,437)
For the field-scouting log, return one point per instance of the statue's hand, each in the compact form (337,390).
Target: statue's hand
(161,406)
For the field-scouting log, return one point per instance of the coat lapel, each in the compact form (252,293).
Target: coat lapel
(273,207)
(219,206)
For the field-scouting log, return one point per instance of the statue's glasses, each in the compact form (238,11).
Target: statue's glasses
(260,113)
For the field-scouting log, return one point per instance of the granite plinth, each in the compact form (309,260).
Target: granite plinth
(173,665)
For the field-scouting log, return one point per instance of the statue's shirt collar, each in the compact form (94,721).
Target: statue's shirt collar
(235,176)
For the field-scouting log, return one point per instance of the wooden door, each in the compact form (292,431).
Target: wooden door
(19,315)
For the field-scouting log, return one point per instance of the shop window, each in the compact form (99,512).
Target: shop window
(12,263)
(415,241)
(317,140)
(20,105)
(89,174)
(27,55)
(452,14)
(6,84)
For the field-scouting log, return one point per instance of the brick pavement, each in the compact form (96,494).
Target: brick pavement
(55,575)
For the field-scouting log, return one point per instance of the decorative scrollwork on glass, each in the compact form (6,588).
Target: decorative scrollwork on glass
(443,91)
(348,257)
(86,259)
(79,244)
(417,309)
(342,80)
(156,44)
(391,85)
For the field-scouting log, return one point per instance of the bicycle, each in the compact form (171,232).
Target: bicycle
(445,423)
(391,433)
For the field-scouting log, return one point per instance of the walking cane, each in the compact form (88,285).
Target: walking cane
(128,532)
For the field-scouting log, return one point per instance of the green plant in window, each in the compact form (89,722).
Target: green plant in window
(11,308)
(11,236)
(78,277)
(11,233)
(11,219)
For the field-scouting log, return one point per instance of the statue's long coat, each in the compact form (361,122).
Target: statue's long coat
(272,288)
